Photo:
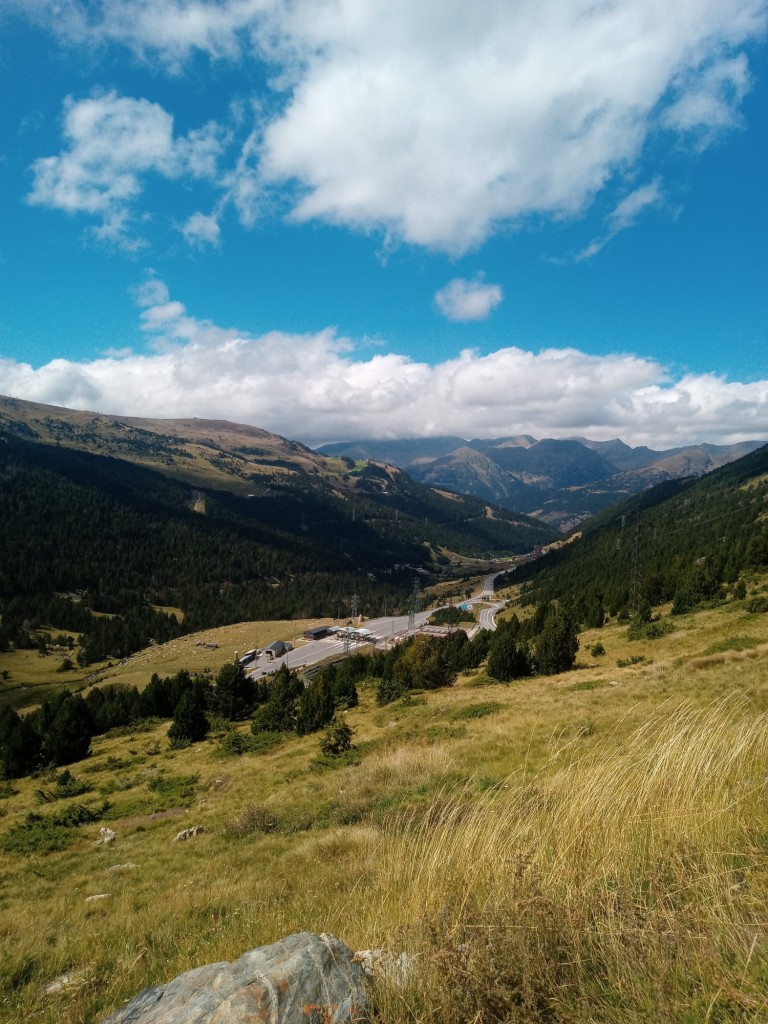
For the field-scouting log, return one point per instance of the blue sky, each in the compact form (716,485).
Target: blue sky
(357,218)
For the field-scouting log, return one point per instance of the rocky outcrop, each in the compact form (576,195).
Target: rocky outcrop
(302,979)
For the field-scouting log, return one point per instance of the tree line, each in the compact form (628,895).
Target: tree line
(87,536)
(683,541)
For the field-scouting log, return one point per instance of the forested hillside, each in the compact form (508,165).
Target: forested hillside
(680,541)
(86,533)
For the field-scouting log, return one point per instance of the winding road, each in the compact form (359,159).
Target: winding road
(316,651)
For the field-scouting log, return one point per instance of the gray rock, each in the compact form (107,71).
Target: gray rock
(106,836)
(381,965)
(302,979)
(64,981)
(188,833)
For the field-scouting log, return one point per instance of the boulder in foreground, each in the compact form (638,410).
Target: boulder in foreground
(302,979)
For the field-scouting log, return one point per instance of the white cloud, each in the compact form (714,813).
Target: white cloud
(202,229)
(709,102)
(112,143)
(171,28)
(624,215)
(438,121)
(468,300)
(627,211)
(315,387)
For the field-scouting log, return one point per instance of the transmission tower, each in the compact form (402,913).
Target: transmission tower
(637,583)
(413,605)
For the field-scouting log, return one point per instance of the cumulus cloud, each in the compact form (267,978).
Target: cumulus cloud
(436,122)
(316,387)
(112,143)
(468,300)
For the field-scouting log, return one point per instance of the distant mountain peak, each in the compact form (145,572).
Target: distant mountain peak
(562,481)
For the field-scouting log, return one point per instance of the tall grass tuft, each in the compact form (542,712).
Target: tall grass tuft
(628,886)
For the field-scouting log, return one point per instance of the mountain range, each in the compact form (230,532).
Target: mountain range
(559,482)
(107,516)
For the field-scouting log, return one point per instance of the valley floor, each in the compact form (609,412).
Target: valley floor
(590,847)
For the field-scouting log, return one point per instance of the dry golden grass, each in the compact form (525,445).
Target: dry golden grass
(33,677)
(187,651)
(629,885)
(586,853)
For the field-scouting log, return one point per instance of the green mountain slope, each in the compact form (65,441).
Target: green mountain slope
(295,538)
(679,540)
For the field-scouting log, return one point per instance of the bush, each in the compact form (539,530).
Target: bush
(757,604)
(451,615)
(40,833)
(337,739)
(469,711)
(652,630)
(66,785)
(174,790)
(252,820)
(37,834)
(596,650)
(235,744)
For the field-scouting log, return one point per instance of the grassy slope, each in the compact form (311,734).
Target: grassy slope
(584,848)
(39,678)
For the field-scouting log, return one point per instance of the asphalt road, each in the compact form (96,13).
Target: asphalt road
(315,651)
(487,617)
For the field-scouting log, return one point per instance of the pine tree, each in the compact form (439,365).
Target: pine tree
(316,707)
(337,739)
(190,722)
(19,745)
(278,714)
(68,737)
(234,696)
(508,657)
(557,644)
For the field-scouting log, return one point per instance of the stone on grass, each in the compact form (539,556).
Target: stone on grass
(98,896)
(106,835)
(302,979)
(382,965)
(64,981)
(188,833)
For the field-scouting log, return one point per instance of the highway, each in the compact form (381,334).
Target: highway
(487,616)
(316,651)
